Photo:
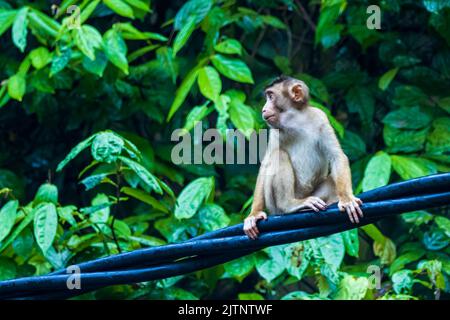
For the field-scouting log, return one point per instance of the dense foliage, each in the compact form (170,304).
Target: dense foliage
(135,71)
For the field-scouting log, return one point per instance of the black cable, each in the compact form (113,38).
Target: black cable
(213,246)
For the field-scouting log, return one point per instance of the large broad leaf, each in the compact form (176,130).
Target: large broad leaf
(241,116)
(333,249)
(402,281)
(378,171)
(182,92)
(96,66)
(354,147)
(232,68)
(22,225)
(351,242)
(360,100)
(272,267)
(144,197)
(352,288)
(6,19)
(229,46)
(8,216)
(147,178)
(87,39)
(106,147)
(8,268)
(409,168)
(46,193)
(407,118)
(40,57)
(192,197)
(438,141)
(115,49)
(75,151)
(404,140)
(195,115)
(100,216)
(444,224)
(183,35)
(213,217)
(17,86)
(61,60)
(209,83)
(120,7)
(19,29)
(193,9)
(240,268)
(45,224)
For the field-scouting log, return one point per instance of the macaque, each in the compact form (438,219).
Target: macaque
(304,166)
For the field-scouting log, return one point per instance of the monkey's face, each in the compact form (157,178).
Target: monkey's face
(283,101)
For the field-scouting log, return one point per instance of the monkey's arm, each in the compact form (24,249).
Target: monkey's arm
(341,174)
(256,213)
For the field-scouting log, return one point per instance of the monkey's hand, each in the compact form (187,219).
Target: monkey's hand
(250,228)
(351,206)
(315,203)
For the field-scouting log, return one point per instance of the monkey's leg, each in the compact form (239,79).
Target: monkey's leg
(326,191)
(282,189)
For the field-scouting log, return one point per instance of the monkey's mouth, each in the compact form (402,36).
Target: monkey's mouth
(270,118)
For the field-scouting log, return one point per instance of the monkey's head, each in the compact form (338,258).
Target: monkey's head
(285,97)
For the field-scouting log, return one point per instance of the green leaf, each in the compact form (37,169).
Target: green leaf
(407,118)
(120,7)
(144,197)
(209,83)
(333,249)
(316,86)
(94,180)
(8,269)
(352,288)
(8,215)
(147,178)
(46,193)
(139,4)
(442,222)
(17,86)
(359,99)
(106,147)
(60,61)
(438,141)
(40,57)
(129,32)
(387,78)
(213,217)
(7,18)
(196,114)
(96,66)
(192,9)
(271,268)
(404,140)
(182,92)
(351,242)
(101,215)
(274,22)
(405,259)
(75,151)
(240,268)
(29,216)
(354,147)
(19,29)
(409,168)
(229,46)
(116,50)
(192,197)
(45,224)
(378,171)
(232,68)
(250,296)
(183,35)
(88,10)
(87,39)
(241,116)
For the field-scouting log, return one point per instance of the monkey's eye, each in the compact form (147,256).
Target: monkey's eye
(270,95)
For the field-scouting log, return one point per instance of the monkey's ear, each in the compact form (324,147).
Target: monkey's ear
(297,93)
